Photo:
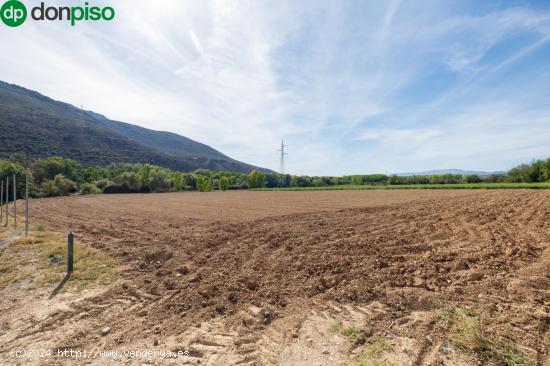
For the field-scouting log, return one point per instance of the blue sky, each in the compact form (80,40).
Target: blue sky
(351,86)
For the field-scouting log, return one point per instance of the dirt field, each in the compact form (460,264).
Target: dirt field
(300,278)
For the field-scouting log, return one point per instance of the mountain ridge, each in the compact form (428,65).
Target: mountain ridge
(40,126)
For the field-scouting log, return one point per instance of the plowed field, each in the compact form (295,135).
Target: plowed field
(302,278)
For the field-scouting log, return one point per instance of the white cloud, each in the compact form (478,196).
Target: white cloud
(348,85)
(196,41)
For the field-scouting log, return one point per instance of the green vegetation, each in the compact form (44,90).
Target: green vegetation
(224,183)
(350,331)
(419,186)
(56,176)
(373,352)
(470,334)
(256,179)
(204,184)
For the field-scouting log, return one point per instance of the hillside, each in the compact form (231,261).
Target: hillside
(39,127)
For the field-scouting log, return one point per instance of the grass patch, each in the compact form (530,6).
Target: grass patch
(351,332)
(40,260)
(470,335)
(372,353)
(417,186)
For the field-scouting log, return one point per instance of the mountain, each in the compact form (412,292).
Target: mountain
(38,126)
(449,171)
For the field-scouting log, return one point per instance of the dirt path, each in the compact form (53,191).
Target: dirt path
(263,277)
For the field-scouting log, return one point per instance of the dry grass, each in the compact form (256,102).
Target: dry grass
(350,331)
(40,261)
(469,332)
(372,353)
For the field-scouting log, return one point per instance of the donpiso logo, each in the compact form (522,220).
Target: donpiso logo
(14,13)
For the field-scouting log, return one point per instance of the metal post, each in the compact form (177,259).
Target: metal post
(7,201)
(2,201)
(14,203)
(27,204)
(70,247)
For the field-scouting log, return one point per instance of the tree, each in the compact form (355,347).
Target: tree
(177,181)
(204,184)
(65,185)
(59,186)
(7,170)
(472,178)
(159,183)
(224,183)
(48,168)
(125,183)
(89,188)
(145,177)
(255,179)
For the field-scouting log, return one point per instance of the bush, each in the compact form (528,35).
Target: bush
(112,189)
(59,186)
(224,183)
(159,184)
(472,178)
(128,182)
(204,184)
(49,189)
(65,185)
(48,169)
(89,188)
(177,181)
(255,179)
(102,183)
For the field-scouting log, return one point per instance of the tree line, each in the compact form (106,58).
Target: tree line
(57,176)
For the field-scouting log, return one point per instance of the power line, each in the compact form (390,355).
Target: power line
(283,153)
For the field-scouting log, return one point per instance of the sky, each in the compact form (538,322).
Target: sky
(351,86)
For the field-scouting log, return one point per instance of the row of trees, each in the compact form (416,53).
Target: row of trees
(56,176)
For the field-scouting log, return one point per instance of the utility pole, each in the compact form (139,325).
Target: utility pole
(283,153)
(27,204)
(14,202)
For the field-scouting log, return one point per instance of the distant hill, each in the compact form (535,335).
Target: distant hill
(38,126)
(449,171)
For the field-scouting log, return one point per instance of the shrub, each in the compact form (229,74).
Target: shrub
(59,186)
(145,176)
(128,182)
(48,169)
(89,188)
(159,184)
(472,178)
(102,183)
(204,184)
(255,179)
(224,183)
(177,181)
(49,189)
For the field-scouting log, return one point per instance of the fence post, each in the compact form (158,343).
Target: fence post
(14,203)
(7,200)
(2,201)
(70,248)
(27,204)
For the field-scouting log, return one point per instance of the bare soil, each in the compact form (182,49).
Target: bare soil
(261,278)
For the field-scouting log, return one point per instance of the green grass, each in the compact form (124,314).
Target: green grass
(470,335)
(417,186)
(350,331)
(371,354)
